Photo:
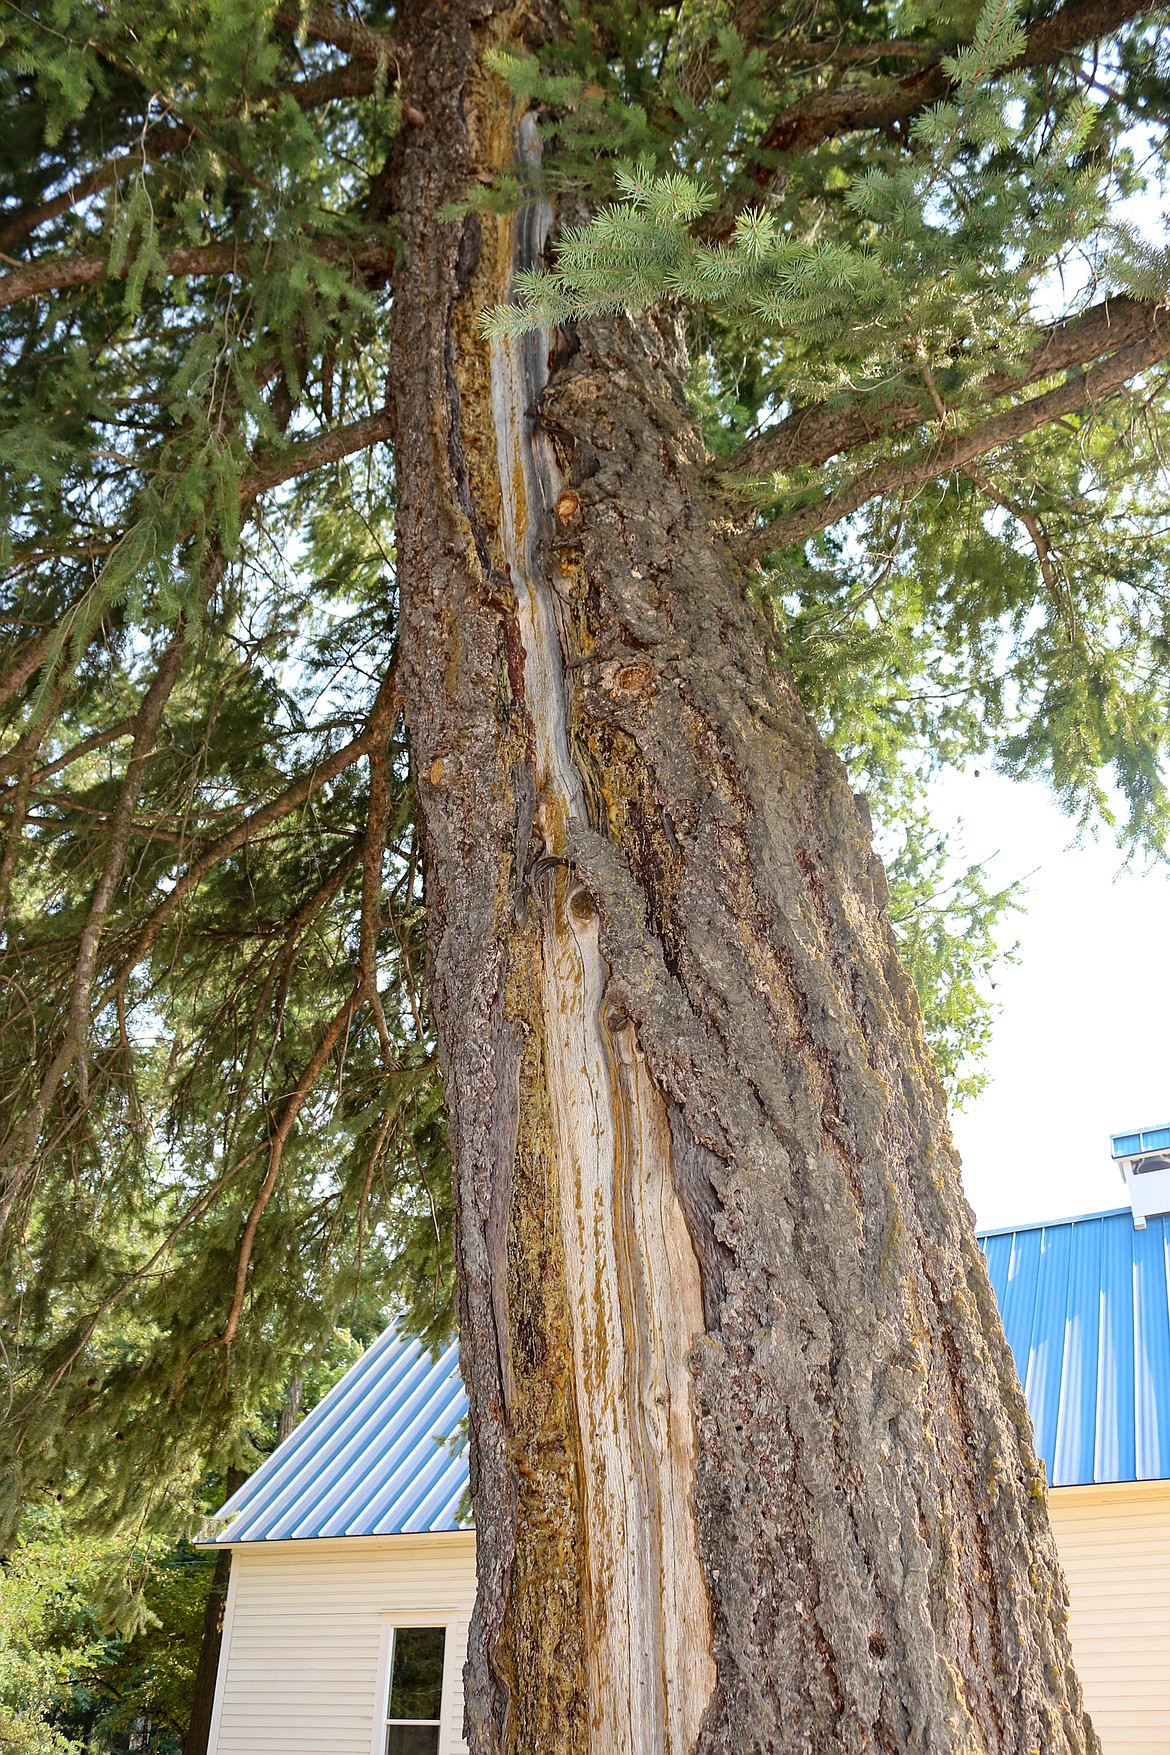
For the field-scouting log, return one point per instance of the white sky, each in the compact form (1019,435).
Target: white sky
(1082,1044)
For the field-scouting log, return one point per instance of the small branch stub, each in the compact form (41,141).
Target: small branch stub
(568,507)
(582,906)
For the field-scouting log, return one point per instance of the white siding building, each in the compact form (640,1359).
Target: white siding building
(353,1571)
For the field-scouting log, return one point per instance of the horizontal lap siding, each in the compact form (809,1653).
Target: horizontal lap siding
(1115,1547)
(303,1644)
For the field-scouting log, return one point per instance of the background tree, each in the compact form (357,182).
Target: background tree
(218,1062)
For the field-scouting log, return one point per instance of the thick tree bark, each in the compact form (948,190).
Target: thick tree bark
(750,1463)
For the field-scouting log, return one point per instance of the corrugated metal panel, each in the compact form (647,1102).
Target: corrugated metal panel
(1086,1308)
(377,1456)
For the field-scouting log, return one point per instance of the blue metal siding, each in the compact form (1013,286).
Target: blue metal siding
(1074,1450)
(1086,1309)
(1152,1374)
(378,1456)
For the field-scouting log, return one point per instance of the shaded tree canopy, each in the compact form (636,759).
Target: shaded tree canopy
(927,340)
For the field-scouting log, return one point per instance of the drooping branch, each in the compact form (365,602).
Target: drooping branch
(811,435)
(1038,536)
(266,473)
(291,1108)
(20,1147)
(348,81)
(103,177)
(1072,397)
(301,790)
(21,762)
(385,712)
(67,273)
(99,739)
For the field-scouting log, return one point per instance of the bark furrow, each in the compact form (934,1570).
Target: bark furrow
(751,1467)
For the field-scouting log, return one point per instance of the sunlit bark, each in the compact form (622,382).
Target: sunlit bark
(751,1466)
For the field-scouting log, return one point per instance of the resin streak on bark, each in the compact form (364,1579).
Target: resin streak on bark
(871,1512)
(580,1296)
(664,985)
(631,1277)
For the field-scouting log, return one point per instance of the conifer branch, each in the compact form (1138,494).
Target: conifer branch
(20,1147)
(827,115)
(113,171)
(847,54)
(811,435)
(376,727)
(67,273)
(99,739)
(348,34)
(1072,397)
(292,1107)
(329,446)
(1046,560)
(348,81)
(385,712)
(27,662)
(21,762)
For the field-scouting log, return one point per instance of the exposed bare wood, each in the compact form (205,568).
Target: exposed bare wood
(653,910)
(624,1236)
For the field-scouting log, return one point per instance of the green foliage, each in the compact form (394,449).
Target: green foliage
(948,924)
(881,270)
(221,1125)
(266,872)
(69,1679)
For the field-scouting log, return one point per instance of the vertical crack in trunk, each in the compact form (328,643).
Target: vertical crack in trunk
(766,1486)
(632,1279)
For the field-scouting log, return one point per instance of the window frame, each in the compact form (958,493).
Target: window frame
(444,1616)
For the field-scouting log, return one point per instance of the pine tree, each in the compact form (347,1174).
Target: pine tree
(490,450)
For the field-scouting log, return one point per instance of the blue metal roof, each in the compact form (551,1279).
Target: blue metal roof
(1086,1307)
(378,1456)
(1085,1303)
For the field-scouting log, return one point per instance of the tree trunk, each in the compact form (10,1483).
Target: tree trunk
(198,1733)
(751,1466)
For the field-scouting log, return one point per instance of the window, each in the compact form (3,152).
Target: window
(415,1699)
